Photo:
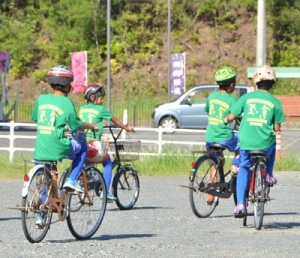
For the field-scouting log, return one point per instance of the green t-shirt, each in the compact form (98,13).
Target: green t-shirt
(91,113)
(261,110)
(218,106)
(52,114)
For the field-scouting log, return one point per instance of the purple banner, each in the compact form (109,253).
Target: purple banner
(4,68)
(177,77)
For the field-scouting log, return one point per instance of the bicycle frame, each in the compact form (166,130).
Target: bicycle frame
(257,160)
(257,189)
(55,204)
(216,153)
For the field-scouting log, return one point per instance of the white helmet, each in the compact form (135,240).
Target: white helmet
(264,73)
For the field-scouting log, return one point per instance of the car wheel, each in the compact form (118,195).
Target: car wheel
(169,123)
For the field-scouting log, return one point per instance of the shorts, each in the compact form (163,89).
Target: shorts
(76,148)
(232,144)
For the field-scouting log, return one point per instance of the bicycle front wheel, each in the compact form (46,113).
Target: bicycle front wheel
(203,204)
(126,187)
(33,206)
(259,197)
(86,215)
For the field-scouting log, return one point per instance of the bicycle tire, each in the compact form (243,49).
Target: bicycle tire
(233,188)
(259,197)
(248,195)
(126,187)
(40,182)
(85,219)
(202,207)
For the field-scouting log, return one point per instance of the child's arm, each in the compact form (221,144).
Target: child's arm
(117,122)
(92,127)
(277,127)
(228,119)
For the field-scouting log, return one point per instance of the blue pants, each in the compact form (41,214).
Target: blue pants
(107,165)
(243,175)
(78,161)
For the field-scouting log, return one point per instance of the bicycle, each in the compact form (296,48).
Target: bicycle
(125,183)
(43,195)
(207,181)
(258,189)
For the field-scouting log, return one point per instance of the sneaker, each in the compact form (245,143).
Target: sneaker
(40,222)
(74,185)
(271,180)
(239,211)
(109,197)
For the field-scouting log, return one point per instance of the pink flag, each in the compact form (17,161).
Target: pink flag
(79,68)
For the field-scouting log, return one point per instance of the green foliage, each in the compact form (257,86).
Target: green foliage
(285,21)
(40,34)
(286,87)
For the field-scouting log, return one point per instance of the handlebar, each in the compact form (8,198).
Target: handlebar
(111,127)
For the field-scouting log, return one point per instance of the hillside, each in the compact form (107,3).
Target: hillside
(212,33)
(212,49)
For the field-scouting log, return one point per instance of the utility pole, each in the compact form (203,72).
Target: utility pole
(108,52)
(261,38)
(169,50)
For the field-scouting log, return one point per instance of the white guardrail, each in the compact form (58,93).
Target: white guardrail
(159,142)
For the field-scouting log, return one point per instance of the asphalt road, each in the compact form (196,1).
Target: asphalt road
(162,225)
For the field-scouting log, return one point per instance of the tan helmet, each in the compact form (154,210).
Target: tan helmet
(264,73)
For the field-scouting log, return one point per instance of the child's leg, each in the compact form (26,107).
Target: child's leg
(79,159)
(107,165)
(243,177)
(270,162)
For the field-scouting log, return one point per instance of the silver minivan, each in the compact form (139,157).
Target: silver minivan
(188,110)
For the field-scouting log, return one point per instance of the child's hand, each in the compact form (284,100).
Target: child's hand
(95,128)
(129,128)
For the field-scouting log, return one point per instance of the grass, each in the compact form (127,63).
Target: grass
(172,165)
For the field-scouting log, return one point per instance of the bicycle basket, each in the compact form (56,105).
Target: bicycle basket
(129,150)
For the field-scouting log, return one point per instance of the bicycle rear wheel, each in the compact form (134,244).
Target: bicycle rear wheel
(33,206)
(85,217)
(126,187)
(233,188)
(202,203)
(259,197)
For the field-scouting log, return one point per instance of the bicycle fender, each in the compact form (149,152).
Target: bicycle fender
(30,175)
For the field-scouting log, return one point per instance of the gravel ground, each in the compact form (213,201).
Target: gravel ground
(162,225)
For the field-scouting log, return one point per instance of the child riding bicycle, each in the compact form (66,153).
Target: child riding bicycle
(52,112)
(94,112)
(262,115)
(218,106)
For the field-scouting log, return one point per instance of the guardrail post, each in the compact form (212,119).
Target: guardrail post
(125,122)
(160,133)
(11,140)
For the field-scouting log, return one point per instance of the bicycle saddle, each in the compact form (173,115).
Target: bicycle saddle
(217,146)
(256,153)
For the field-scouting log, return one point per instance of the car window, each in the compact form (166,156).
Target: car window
(238,92)
(243,91)
(200,96)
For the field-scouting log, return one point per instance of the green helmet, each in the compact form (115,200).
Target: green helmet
(225,75)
